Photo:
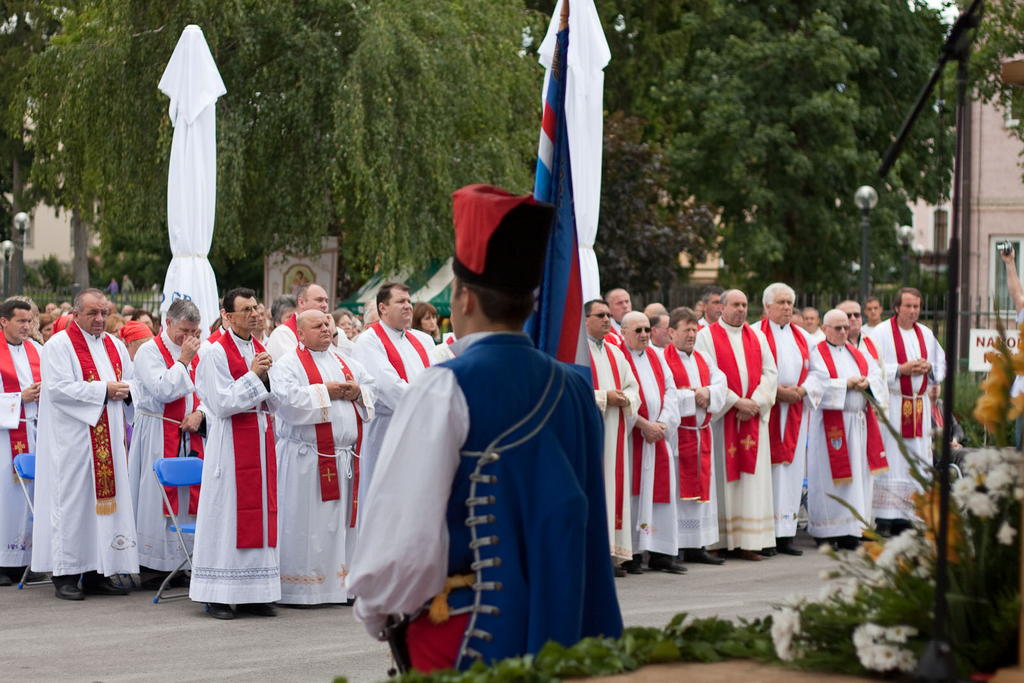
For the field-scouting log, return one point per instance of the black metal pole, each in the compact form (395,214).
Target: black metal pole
(865,254)
(937,662)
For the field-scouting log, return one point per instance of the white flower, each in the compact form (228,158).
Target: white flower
(999,478)
(981,505)
(900,634)
(825,549)
(962,488)
(1006,534)
(785,627)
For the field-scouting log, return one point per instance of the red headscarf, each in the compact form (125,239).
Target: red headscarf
(133,330)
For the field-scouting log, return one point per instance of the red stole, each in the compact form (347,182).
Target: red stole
(870,346)
(394,357)
(783,443)
(662,485)
(175,410)
(327,465)
(18,435)
(620,437)
(248,472)
(911,406)
(614,337)
(99,436)
(740,438)
(835,428)
(215,337)
(292,324)
(694,460)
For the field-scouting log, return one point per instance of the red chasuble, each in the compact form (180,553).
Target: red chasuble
(174,414)
(740,438)
(662,485)
(9,374)
(694,461)
(249,476)
(783,440)
(99,436)
(327,461)
(835,428)
(911,405)
(620,456)
(394,357)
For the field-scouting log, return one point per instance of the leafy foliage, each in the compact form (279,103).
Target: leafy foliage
(684,639)
(340,119)
(784,110)
(644,223)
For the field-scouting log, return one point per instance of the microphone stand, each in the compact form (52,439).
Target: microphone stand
(937,663)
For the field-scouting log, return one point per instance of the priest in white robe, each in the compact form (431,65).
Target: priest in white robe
(84,523)
(618,398)
(323,400)
(915,365)
(655,479)
(701,392)
(742,451)
(167,422)
(284,338)
(235,560)
(844,443)
(394,354)
(19,405)
(787,422)
(860,336)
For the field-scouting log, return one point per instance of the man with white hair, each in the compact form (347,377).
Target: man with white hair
(859,336)
(284,338)
(787,423)
(167,424)
(845,447)
(914,365)
(700,389)
(655,479)
(741,439)
(618,398)
(323,400)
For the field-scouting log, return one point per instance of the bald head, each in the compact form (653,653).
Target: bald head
(636,330)
(312,297)
(734,307)
(313,330)
(836,327)
(852,310)
(835,317)
(619,303)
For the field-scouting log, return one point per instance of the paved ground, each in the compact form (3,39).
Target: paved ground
(131,639)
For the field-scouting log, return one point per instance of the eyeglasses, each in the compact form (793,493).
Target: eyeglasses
(641,330)
(853,315)
(600,315)
(845,328)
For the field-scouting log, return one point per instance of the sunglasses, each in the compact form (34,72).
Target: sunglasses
(840,327)
(641,330)
(853,315)
(600,315)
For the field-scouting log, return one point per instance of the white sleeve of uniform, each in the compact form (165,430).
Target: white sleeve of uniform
(280,342)
(221,394)
(389,387)
(670,403)
(164,384)
(764,394)
(401,557)
(719,390)
(630,387)
(77,399)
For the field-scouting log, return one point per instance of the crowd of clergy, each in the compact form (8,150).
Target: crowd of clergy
(716,432)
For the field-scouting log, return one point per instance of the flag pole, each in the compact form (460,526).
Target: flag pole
(563,19)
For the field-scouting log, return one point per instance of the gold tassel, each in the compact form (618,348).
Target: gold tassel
(106,506)
(439,609)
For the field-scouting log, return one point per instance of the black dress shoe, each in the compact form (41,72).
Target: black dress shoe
(665,563)
(260,609)
(5,580)
(634,566)
(101,586)
(701,556)
(785,546)
(219,610)
(68,591)
(619,572)
(768,552)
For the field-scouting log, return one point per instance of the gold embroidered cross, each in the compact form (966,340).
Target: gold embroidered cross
(328,475)
(747,443)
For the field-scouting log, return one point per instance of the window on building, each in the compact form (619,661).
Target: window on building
(1000,295)
(941,230)
(1012,115)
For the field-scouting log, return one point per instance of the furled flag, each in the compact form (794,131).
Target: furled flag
(556,325)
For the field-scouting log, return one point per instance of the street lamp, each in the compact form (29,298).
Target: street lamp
(866,199)
(7,247)
(21,221)
(904,234)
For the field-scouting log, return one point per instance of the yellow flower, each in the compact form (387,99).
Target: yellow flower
(926,505)
(873,549)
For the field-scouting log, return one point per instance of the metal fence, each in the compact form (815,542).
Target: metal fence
(146,300)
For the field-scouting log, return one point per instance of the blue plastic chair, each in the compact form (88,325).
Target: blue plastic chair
(177,472)
(25,467)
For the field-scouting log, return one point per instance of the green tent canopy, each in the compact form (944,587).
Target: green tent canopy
(431,284)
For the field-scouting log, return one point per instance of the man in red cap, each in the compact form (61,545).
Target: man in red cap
(492,470)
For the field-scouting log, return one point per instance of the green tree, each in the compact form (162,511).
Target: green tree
(353,119)
(644,225)
(1000,38)
(786,108)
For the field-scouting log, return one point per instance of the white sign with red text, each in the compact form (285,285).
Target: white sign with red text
(981,341)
